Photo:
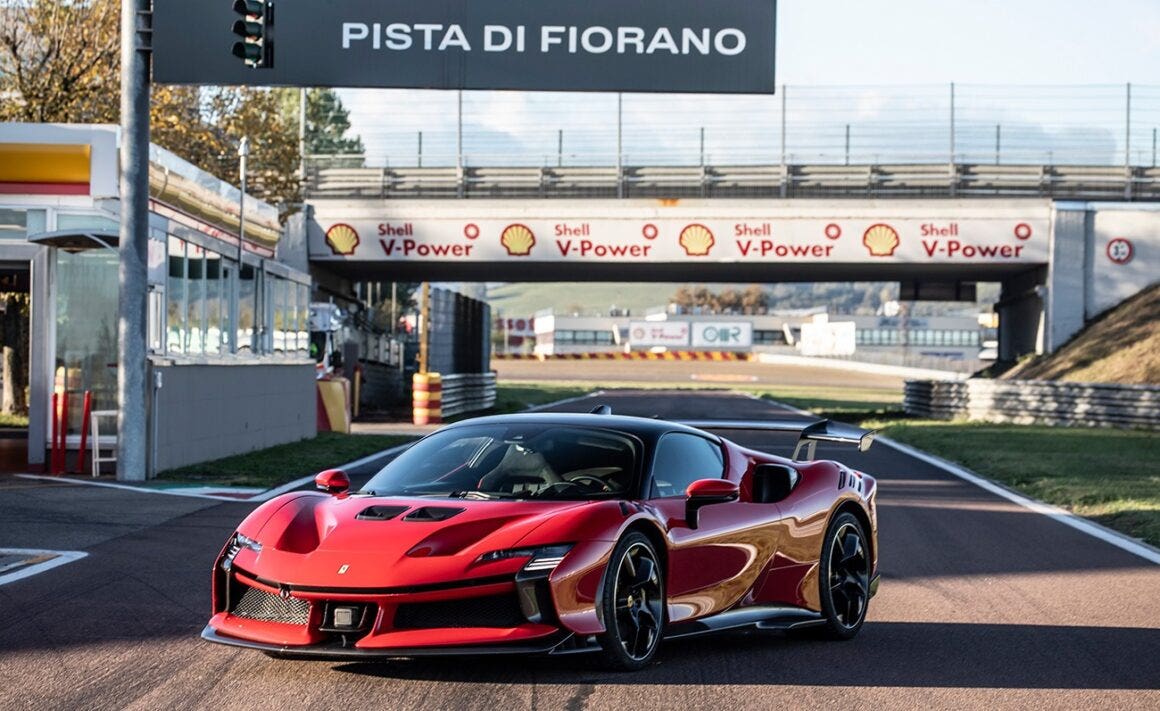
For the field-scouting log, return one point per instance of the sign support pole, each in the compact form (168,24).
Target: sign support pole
(424,325)
(132,307)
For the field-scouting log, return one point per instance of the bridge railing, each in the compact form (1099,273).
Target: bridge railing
(1072,182)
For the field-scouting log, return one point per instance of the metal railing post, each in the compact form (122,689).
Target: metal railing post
(784,168)
(997,143)
(954,173)
(419,154)
(559,147)
(461,188)
(619,145)
(1128,140)
(847,144)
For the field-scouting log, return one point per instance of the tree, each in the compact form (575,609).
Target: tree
(14,343)
(60,60)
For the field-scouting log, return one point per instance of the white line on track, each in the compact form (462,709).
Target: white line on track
(258,497)
(291,486)
(1067,518)
(59,558)
(129,487)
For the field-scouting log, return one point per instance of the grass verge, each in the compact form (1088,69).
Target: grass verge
(285,462)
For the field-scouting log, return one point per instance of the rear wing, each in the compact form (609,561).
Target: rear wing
(809,433)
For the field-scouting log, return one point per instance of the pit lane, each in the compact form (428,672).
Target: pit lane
(983,604)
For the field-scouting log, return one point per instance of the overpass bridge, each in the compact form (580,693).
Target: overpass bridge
(1065,241)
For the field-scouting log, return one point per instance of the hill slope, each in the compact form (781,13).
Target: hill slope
(1121,346)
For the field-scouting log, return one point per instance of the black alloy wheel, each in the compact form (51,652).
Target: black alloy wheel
(633,604)
(845,577)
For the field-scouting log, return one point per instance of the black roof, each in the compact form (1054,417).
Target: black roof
(645,427)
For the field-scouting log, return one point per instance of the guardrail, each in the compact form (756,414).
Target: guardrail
(1071,182)
(468,392)
(1036,401)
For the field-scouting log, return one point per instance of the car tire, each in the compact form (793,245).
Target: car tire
(633,604)
(844,577)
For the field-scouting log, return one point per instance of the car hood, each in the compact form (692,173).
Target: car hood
(383,543)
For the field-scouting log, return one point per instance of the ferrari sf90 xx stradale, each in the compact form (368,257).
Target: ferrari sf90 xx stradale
(556,533)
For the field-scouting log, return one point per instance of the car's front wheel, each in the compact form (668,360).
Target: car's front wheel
(633,604)
(845,577)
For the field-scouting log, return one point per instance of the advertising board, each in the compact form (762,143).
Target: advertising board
(650,334)
(722,334)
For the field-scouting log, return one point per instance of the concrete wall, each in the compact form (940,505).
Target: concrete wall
(1111,282)
(207,412)
(1085,280)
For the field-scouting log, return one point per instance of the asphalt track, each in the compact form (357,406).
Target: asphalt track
(983,604)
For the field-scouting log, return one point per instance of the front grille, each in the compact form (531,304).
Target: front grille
(490,611)
(255,604)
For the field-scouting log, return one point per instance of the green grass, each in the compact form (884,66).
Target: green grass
(285,462)
(519,396)
(1109,475)
(846,404)
(13,420)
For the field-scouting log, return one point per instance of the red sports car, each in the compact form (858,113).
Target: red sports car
(556,533)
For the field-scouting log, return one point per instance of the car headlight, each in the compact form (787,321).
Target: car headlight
(543,558)
(247,542)
(237,543)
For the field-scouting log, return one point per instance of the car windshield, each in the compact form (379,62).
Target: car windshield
(517,461)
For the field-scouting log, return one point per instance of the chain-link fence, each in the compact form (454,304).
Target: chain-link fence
(1104,125)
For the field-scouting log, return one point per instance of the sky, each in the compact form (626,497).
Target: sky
(968,41)
(892,60)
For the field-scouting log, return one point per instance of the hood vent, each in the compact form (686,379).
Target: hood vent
(380,513)
(433,513)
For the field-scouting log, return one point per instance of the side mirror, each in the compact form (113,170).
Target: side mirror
(707,491)
(773,482)
(332,481)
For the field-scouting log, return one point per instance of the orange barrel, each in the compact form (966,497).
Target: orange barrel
(427,398)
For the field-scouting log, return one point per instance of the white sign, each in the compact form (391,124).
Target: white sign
(646,334)
(722,334)
(828,338)
(873,237)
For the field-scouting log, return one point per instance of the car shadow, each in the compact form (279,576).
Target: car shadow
(885,654)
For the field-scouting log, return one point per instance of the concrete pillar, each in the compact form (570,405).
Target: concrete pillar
(1022,321)
(1069,273)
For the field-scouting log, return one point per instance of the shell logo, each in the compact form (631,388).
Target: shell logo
(342,239)
(881,240)
(697,240)
(518,240)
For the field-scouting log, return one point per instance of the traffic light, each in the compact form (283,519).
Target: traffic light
(255,28)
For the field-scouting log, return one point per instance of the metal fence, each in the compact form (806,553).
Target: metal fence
(1034,401)
(1093,125)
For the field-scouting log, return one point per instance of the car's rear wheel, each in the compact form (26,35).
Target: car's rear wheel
(845,577)
(633,604)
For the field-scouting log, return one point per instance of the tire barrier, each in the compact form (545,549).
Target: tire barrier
(1036,401)
(468,392)
(427,398)
(634,355)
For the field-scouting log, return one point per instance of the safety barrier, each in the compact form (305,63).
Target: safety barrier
(631,355)
(427,398)
(468,392)
(1036,401)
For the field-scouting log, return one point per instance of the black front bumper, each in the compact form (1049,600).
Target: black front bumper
(564,643)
